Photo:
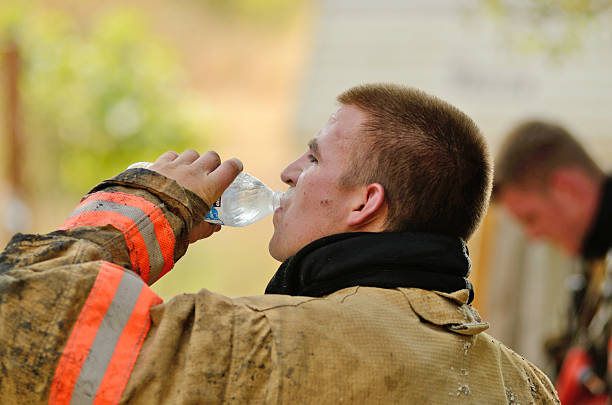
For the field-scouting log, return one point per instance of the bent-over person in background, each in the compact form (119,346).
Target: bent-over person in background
(547,181)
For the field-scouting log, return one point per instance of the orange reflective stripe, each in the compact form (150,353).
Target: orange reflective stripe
(163,230)
(124,357)
(133,239)
(158,236)
(83,335)
(105,341)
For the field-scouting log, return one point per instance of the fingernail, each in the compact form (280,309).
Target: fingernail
(238,163)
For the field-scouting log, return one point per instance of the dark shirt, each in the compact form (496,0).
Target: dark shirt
(598,239)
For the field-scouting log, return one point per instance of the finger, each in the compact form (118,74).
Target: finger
(227,171)
(208,161)
(201,231)
(187,157)
(167,157)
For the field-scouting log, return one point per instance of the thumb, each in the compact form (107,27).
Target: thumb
(225,173)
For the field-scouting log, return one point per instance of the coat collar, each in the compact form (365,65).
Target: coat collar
(385,260)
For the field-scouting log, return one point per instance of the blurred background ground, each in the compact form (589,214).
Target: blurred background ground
(102,85)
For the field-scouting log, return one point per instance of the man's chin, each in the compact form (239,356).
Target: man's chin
(274,250)
(570,248)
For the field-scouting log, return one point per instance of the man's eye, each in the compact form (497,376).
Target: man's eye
(312,158)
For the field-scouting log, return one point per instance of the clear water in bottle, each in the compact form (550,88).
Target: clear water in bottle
(245,201)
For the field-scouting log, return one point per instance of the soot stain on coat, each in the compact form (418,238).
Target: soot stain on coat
(391,383)
(13,256)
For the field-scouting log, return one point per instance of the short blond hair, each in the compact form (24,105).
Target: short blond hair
(429,156)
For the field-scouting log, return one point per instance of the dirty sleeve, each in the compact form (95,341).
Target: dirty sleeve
(64,294)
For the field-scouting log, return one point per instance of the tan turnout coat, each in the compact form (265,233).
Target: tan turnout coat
(79,325)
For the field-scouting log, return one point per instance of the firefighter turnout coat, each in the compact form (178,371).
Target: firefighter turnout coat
(80,325)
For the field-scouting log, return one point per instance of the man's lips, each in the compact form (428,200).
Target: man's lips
(284,200)
(281,206)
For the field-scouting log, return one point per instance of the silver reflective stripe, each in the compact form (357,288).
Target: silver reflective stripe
(144,224)
(106,339)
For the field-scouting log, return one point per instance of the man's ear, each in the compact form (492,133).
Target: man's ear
(370,208)
(570,184)
(576,191)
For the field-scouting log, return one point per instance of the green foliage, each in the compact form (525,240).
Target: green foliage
(553,27)
(265,11)
(97,95)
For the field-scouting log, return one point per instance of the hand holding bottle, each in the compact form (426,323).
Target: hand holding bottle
(204,175)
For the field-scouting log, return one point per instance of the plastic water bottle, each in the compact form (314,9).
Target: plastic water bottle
(245,201)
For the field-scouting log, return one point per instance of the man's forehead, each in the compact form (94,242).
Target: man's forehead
(334,116)
(342,130)
(526,188)
(522,199)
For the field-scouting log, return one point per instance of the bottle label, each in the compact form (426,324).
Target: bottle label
(213,216)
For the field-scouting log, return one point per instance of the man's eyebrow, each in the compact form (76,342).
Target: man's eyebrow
(314,147)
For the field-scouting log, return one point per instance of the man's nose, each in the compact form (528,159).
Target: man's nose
(291,173)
